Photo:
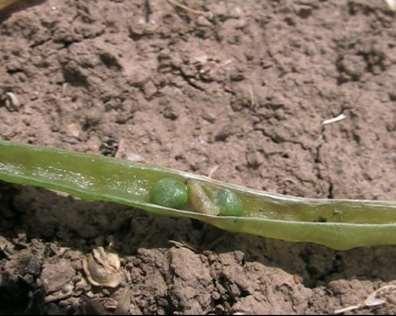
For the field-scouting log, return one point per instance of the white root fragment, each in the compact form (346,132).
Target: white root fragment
(212,171)
(346,309)
(199,200)
(371,301)
(374,300)
(11,101)
(62,194)
(335,119)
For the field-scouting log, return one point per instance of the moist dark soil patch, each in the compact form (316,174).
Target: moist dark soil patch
(239,86)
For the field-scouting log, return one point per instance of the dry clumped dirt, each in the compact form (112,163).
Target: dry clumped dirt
(241,86)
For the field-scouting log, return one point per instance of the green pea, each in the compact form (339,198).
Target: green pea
(229,203)
(169,192)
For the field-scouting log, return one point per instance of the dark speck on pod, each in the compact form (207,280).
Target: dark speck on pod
(170,193)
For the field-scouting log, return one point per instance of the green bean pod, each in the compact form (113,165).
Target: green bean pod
(6,3)
(338,224)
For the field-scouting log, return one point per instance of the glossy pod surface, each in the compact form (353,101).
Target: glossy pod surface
(339,224)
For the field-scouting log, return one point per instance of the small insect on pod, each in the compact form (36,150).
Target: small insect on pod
(213,202)
(200,201)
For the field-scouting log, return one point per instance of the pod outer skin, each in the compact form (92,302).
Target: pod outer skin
(98,178)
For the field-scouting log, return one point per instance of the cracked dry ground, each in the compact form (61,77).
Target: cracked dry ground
(243,86)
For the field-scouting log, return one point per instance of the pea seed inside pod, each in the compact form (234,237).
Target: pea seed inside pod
(229,203)
(170,193)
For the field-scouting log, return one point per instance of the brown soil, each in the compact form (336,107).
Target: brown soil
(239,85)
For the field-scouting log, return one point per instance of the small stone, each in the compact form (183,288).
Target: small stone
(73,130)
(216,296)
(223,133)
(34,266)
(149,90)
(134,157)
(303,11)
(352,66)
(169,112)
(55,275)
(254,159)
(67,288)
(203,21)
(6,246)
(209,116)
